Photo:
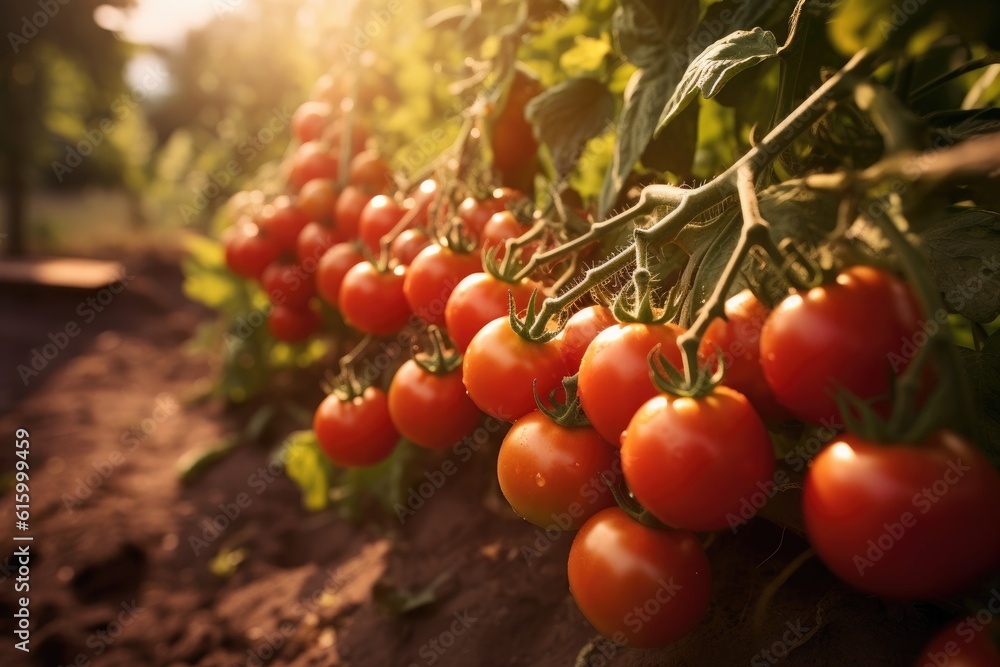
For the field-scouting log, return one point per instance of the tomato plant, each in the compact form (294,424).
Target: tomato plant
(638,585)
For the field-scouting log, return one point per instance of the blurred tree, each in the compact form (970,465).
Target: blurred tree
(48,40)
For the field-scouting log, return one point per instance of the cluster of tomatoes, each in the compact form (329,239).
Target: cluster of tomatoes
(601,442)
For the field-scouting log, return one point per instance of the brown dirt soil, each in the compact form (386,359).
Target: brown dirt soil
(115,579)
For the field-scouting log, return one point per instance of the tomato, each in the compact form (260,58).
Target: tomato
(248,251)
(614,373)
(475,213)
(283,221)
(347,212)
(369,170)
(551,474)
(850,333)
(480,298)
(693,462)
(314,240)
(908,522)
(332,267)
(312,160)
(738,339)
(432,277)
(964,643)
(500,368)
(642,587)
(358,432)
(499,229)
(580,330)
(317,199)
(431,410)
(288,284)
(422,199)
(410,243)
(372,301)
(378,218)
(513,139)
(292,324)
(310,119)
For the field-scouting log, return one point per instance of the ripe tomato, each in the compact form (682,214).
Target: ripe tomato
(964,643)
(850,333)
(901,521)
(551,474)
(283,221)
(500,367)
(431,410)
(481,298)
(422,199)
(513,139)
(693,461)
(248,251)
(501,227)
(358,432)
(738,338)
(405,247)
(347,212)
(475,213)
(432,277)
(310,119)
(639,586)
(333,266)
(614,373)
(580,330)
(314,240)
(288,285)
(378,218)
(317,199)
(312,160)
(292,324)
(369,170)
(372,301)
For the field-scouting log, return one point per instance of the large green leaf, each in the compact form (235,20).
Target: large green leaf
(716,65)
(964,249)
(565,117)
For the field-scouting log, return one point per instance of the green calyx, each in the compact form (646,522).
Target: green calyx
(567,413)
(669,379)
(443,358)
(631,506)
(523,328)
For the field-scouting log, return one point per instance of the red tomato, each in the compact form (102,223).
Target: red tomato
(964,643)
(551,474)
(738,338)
(692,462)
(475,213)
(513,138)
(499,229)
(288,285)
(378,218)
(851,333)
(580,330)
(292,324)
(283,221)
(372,301)
(314,240)
(248,251)
(481,298)
(333,266)
(422,199)
(358,432)
(908,522)
(347,212)
(317,199)
(432,277)
(405,247)
(639,586)
(310,119)
(431,410)
(500,367)
(369,170)
(312,160)
(614,373)
(335,134)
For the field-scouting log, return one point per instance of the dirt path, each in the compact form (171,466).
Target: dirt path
(121,558)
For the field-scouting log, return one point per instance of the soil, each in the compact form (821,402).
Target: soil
(121,569)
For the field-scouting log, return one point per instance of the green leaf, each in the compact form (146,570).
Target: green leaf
(963,250)
(800,213)
(649,31)
(586,57)
(565,117)
(858,24)
(309,468)
(716,65)
(399,601)
(195,463)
